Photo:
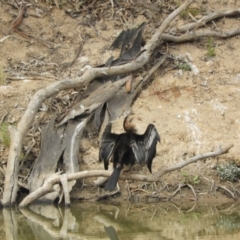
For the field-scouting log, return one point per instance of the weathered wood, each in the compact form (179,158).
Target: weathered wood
(55,178)
(64,183)
(94,100)
(72,138)
(10,190)
(63,141)
(52,148)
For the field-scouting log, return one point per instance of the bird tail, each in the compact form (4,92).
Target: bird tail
(113,179)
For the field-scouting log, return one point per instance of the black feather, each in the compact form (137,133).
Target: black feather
(144,146)
(107,145)
(113,179)
(127,149)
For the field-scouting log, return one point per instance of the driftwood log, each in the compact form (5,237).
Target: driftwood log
(63,141)
(186,33)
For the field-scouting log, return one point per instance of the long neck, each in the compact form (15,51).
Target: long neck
(128,125)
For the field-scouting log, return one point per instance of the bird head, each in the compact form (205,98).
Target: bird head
(128,124)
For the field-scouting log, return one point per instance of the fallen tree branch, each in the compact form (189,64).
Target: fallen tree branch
(47,187)
(177,190)
(219,151)
(18,134)
(64,182)
(199,34)
(216,187)
(149,74)
(157,37)
(228,191)
(94,100)
(202,22)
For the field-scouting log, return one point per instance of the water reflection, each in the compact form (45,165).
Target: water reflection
(116,222)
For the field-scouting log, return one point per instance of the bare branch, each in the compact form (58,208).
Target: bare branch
(64,182)
(228,191)
(199,34)
(181,185)
(219,151)
(156,38)
(47,187)
(201,22)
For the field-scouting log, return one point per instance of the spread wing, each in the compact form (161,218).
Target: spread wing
(144,146)
(106,145)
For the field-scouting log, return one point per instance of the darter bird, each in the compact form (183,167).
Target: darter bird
(127,148)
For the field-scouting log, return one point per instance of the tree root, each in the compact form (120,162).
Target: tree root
(228,191)
(111,194)
(214,187)
(182,185)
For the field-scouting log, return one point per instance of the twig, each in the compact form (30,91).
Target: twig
(48,44)
(219,151)
(3,117)
(4,38)
(28,151)
(176,207)
(192,17)
(228,191)
(235,189)
(153,214)
(159,190)
(21,184)
(155,185)
(129,192)
(75,58)
(192,208)
(145,80)
(157,37)
(37,78)
(19,20)
(215,15)
(181,186)
(178,189)
(224,188)
(78,52)
(140,190)
(199,34)
(194,193)
(212,186)
(19,17)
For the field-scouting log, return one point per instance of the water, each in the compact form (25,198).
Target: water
(127,221)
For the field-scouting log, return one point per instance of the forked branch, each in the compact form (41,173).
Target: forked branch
(202,22)
(55,178)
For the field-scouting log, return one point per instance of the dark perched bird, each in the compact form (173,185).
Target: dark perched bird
(127,148)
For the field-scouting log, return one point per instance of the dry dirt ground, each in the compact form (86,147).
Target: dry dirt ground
(194,111)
